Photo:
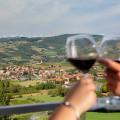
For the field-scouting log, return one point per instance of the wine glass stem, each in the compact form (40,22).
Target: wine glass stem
(85,76)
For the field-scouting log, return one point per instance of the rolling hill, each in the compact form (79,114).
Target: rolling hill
(22,50)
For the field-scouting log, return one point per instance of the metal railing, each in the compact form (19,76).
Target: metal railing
(103,104)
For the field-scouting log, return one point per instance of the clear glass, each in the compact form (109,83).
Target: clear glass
(81,52)
(110,47)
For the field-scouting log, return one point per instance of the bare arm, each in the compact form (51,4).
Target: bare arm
(82,96)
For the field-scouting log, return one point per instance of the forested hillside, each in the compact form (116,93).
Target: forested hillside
(21,50)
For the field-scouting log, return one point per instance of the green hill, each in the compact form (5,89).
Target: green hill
(22,50)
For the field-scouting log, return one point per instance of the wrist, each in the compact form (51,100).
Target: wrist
(74,109)
(76,103)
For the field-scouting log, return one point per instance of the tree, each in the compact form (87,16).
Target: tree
(5,96)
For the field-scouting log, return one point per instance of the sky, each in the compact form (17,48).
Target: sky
(55,17)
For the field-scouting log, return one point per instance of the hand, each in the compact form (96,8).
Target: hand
(82,96)
(112,75)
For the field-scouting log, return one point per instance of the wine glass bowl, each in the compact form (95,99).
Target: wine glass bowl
(110,48)
(81,51)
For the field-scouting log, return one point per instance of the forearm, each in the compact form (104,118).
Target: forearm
(64,113)
(78,100)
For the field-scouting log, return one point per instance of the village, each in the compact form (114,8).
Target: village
(52,73)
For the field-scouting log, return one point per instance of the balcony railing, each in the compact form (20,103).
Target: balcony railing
(103,104)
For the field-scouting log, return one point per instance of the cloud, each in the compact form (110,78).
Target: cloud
(35,17)
(43,10)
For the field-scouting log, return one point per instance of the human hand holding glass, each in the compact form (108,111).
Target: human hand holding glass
(110,52)
(81,52)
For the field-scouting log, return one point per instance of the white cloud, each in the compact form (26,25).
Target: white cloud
(32,12)
(34,17)
(10,8)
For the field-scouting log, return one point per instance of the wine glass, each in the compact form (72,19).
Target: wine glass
(81,52)
(110,48)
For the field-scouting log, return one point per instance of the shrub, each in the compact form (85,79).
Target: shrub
(72,71)
(20,96)
(60,91)
(99,94)
(15,88)
(48,85)
(53,92)
(104,88)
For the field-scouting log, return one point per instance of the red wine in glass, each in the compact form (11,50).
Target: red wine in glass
(82,64)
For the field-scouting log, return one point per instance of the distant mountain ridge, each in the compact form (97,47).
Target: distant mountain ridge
(22,50)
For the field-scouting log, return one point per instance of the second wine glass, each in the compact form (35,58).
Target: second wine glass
(110,47)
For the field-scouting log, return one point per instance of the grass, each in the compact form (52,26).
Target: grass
(50,53)
(35,99)
(42,98)
(26,83)
(102,116)
(89,116)
(31,116)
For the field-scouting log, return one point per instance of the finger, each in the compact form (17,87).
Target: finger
(110,64)
(111,87)
(112,82)
(113,75)
(110,75)
(110,71)
(110,79)
(114,88)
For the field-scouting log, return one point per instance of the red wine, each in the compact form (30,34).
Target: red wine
(83,65)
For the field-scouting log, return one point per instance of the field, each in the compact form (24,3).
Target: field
(35,98)
(89,116)
(102,116)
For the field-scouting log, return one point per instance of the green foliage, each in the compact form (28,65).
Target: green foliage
(104,88)
(19,50)
(103,116)
(5,97)
(15,88)
(19,90)
(99,94)
(72,71)
(62,91)
(53,92)
(4,92)
(43,86)
(102,80)
(59,91)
